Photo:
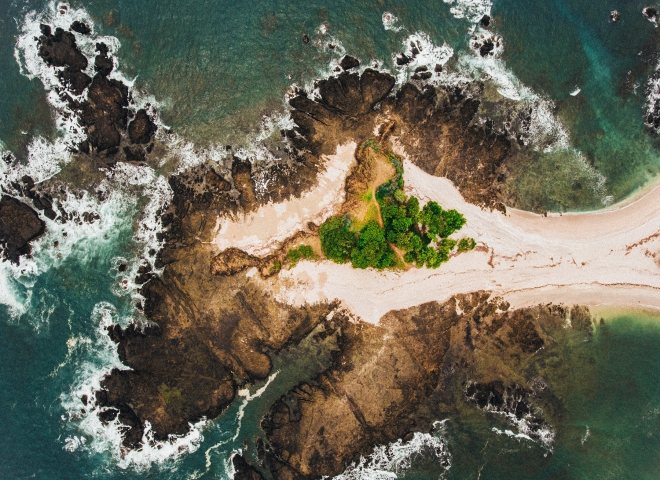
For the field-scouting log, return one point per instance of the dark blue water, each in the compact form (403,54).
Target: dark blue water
(216,68)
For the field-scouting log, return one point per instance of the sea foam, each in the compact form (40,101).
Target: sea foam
(390,461)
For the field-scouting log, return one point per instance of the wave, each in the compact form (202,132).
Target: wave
(390,461)
(471,10)
(652,106)
(391,22)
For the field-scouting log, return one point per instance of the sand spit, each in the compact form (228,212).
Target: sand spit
(609,257)
(261,233)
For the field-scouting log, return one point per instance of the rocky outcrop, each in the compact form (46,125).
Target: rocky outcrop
(407,372)
(19,225)
(438,127)
(142,128)
(102,104)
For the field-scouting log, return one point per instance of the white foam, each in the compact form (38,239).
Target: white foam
(391,22)
(545,132)
(158,193)
(544,435)
(390,461)
(96,357)
(576,92)
(652,105)
(653,19)
(429,55)
(472,10)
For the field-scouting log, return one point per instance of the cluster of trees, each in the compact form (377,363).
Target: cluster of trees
(420,233)
(364,249)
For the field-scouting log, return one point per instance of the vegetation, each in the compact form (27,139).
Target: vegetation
(372,250)
(276,267)
(301,252)
(466,244)
(172,397)
(421,233)
(337,240)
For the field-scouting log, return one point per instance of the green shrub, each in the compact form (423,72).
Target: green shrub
(337,240)
(302,252)
(465,244)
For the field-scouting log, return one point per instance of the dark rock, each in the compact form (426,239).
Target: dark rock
(421,68)
(243,471)
(60,49)
(422,76)
(80,27)
(402,59)
(486,48)
(105,112)
(102,63)
(375,86)
(77,81)
(341,92)
(19,225)
(650,13)
(142,128)
(134,153)
(485,21)
(348,62)
(438,68)
(614,16)
(305,38)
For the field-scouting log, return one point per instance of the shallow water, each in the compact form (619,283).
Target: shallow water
(216,68)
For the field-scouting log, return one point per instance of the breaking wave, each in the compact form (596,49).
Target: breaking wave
(390,461)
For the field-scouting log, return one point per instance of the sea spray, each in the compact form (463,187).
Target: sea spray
(390,461)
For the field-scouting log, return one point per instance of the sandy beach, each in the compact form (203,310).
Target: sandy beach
(262,232)
(602,258)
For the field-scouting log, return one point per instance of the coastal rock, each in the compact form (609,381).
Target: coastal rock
(216,333)
(414,360)
(102,63)
(232,261)
(651,14)
(348,62)
(142,128)
(105,114)
(60,49)
(19,225)
(80,27)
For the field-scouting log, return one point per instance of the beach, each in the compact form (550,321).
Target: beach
(600,258)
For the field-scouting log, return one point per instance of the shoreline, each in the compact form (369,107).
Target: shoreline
(608,257)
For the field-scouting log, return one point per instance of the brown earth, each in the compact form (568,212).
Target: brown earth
(417,366)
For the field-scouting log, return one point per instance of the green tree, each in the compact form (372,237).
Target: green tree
(372,250)
(337,240)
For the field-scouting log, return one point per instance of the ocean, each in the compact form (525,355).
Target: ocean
(219,72)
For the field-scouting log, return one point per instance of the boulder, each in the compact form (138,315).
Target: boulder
(19,225)
(142,128)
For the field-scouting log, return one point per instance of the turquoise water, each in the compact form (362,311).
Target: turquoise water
(216,68)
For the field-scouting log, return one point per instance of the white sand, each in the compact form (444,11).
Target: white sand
(586,258)
(262,232)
